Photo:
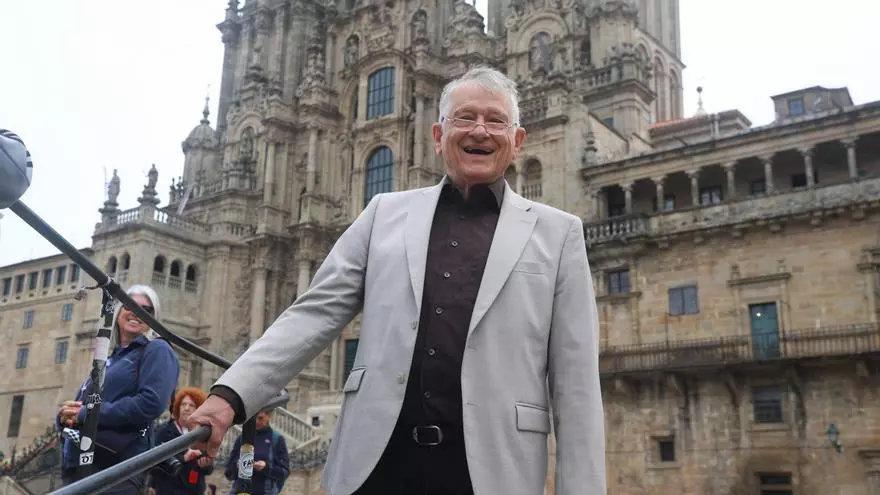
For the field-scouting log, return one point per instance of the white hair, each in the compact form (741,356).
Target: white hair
(488,78)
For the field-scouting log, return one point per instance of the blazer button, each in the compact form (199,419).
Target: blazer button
(401,378)
(415,324)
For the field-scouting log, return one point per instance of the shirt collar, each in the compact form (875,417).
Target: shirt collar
(496,187)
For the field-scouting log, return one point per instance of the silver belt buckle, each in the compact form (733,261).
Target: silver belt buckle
(415,435)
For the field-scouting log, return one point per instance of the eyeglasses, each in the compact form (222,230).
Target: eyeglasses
(148,309)
(468,125)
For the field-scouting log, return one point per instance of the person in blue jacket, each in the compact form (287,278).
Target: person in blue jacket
(140,377)
(271,461)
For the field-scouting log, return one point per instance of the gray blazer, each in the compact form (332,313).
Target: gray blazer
(531,347)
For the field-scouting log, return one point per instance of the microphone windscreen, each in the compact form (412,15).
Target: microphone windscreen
(15,168)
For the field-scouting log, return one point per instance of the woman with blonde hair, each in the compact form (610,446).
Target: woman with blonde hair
(140,377)
(196,465)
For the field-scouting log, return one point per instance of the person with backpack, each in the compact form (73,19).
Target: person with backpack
(271,461)
(141,374)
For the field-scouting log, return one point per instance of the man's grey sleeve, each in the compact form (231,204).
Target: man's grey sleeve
(575,393)
(309,325)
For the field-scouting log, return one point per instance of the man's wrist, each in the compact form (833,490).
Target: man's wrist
(233,399)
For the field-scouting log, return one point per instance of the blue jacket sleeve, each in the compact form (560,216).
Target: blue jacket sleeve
(157,377)
(280,468)
(231,471)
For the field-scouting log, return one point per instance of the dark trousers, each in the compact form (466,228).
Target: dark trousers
(407,468)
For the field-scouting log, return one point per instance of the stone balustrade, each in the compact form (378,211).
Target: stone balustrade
(617,228)
(844,340)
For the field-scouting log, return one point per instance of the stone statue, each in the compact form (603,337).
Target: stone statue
(113,188)
(152,177)
(352,50)
(420,25)
(540,53)
(246,147)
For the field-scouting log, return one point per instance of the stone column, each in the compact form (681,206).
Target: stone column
(767,160)
(312,162)
(850,145)
(807,153)
(603,204)
(661,196)
(597,206)
(419,129)
(730,173)
(694,176)
(304,277)
(258,302)
(269,173)
(628,197)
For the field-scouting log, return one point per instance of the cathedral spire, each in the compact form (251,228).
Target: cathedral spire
(206,112)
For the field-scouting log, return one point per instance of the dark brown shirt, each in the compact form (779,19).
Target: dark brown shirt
(461,235)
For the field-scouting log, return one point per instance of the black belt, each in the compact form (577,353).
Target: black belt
(433,435)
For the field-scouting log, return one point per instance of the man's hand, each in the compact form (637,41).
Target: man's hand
(216,413)
(205,461)
(259,465)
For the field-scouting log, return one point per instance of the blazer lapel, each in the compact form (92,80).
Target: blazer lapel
(419,218)
(514,228)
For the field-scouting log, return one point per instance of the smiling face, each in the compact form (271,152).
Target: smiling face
(129,324)
(475,156)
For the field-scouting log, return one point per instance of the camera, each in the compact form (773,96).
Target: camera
(170,466)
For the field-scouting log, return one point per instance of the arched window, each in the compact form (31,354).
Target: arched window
(660,90)
(125,261)
(190,284)
(380,172)
(380,93)
(175,268)
(532,188)
(111,265)
(159,264)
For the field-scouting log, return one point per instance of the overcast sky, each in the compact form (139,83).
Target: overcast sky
(97,85)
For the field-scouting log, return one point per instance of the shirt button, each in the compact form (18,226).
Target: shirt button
(454,243)
(446,274)
(439,310)
(432,351)
(427,394)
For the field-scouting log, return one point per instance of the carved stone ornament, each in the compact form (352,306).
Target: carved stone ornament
(419,27)
(352,50)
(465,22)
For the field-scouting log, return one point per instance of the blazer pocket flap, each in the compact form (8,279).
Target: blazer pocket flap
(531,417)
(353,382)
(529,267)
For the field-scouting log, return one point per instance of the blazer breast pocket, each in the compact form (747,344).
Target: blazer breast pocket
(353,382)
(529,267)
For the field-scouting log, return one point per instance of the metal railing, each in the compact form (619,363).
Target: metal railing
(103,480)
(843,340)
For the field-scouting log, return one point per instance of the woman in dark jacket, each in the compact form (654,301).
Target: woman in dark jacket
(140,377)
(191,479)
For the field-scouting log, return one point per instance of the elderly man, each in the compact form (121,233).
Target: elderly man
(479,321)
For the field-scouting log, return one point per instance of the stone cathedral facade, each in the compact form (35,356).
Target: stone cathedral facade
(736,267)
